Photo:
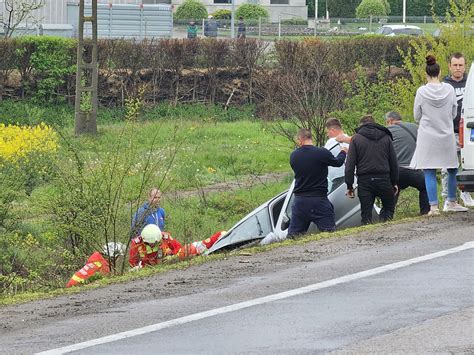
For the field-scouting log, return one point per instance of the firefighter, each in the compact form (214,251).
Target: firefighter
(145,249)
(97,263)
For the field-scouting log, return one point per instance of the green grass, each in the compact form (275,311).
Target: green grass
(206,152)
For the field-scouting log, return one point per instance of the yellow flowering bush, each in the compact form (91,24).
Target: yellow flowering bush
(20,142)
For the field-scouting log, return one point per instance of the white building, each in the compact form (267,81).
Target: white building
(56,11)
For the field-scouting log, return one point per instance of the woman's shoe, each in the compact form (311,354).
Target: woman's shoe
(453,206)
(433,212)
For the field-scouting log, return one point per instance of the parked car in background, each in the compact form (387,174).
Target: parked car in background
(465,177)
(397,30)
(272,218)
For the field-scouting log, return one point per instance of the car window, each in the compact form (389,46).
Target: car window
(254,226)
(387,30)
(275,209)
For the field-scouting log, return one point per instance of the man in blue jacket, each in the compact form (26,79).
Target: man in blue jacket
(149,213)
(311,203)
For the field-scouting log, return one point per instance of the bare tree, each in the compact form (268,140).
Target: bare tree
(302,89)
(18,11)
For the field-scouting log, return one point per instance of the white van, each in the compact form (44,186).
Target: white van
(465,177)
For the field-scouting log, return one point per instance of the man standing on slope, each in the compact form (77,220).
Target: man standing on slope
(457,79)
(311,203)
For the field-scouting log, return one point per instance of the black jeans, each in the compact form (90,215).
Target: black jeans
(416,179)
(369,187)
(305,210)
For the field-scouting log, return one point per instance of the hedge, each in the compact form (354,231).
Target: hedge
(173,69)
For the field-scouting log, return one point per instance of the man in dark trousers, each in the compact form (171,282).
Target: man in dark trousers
(457,78)
(371,152)
(404,142)
(311,204)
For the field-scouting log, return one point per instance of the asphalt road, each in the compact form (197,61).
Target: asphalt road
(331,318)
(292,299)
(425,307)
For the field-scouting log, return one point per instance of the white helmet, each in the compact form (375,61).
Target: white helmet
(113,249)
(151,233)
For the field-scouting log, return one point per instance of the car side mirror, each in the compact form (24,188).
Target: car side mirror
(285,222)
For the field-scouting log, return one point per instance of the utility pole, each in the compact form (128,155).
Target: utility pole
(404,11)
(86,75)
(315,16)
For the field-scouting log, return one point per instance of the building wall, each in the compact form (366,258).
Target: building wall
(55,11)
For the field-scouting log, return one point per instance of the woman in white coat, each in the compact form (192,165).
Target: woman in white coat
(435,109)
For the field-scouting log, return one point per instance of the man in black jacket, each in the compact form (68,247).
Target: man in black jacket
(371,152)
(311,203)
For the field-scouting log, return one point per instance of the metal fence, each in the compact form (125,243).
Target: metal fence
(262,28)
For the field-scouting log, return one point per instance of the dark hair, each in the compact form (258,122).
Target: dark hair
(304,134)
(393,115)
(333,123)
(367,119)
(241,18)
(457,55)
(432,68)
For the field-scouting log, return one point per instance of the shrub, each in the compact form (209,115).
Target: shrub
(251,11)
(369,8)
(52,61)
(191,9)
(222,14)
(295,21)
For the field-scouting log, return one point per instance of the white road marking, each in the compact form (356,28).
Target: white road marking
(257,301)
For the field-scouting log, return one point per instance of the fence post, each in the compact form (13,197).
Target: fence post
(279,26)
(203,25)
(259,27)
(424,19)
(370,23)
(110,20)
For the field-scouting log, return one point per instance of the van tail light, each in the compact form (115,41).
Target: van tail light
(461,133)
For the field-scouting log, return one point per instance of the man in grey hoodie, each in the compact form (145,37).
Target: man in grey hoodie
(404,142)
(457,79)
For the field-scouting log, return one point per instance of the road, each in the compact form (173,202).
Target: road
(365,293)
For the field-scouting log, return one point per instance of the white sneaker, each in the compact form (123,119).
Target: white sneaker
(454,207)
(467,199)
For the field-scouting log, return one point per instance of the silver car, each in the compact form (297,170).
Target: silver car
(272,218)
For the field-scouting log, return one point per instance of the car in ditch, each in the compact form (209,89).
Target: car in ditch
(465,176)
(270,221)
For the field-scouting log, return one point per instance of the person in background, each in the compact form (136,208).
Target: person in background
(241,29)
(210,27)
(435,109)
(457,79)
(192,30)
(371,152)
(149,213)
(311,203)
(404,142)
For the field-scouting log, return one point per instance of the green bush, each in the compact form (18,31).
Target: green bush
(191,9)
(251,11)
(369,8)
(222,14)
(51,62)
(295,21)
